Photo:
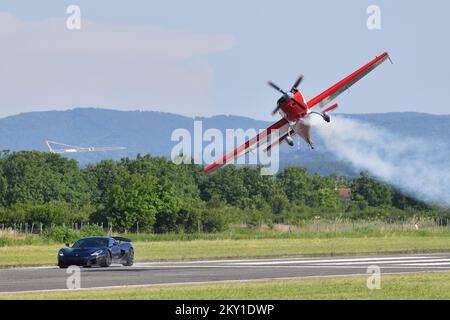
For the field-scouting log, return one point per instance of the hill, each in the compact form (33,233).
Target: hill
(149,132)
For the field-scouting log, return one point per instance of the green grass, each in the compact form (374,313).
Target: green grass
(34,255)
(29,255)
(23,240)
(406,286)
(180,250)
(249,234)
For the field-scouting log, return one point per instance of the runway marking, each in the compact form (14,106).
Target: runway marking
(28,268)
(324,266)
(252,261)
(334,261)
(425,260)
(218,260)
(429,264)
(398,262)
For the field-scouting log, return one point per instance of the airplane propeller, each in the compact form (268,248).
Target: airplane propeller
(273,85)
(297,83)
(286,95)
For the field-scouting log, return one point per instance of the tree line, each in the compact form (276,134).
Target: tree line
(153,194)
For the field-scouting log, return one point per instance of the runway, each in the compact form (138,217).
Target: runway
(166,273)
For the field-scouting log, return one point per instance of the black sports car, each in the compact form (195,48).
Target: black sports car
(101,251)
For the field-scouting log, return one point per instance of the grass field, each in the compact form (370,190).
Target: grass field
(410,286)
(45,254)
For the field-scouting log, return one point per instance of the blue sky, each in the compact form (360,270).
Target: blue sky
(210,57)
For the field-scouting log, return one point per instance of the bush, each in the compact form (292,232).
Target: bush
(214,221)
(60,234)
(254,219)
(92,231)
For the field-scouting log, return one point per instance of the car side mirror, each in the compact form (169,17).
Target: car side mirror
(67,244)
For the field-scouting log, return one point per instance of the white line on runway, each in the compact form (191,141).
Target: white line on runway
(304,266)
(260,262)
(28,268)
(281,260)
(334,261)
(428,264)
(399,262)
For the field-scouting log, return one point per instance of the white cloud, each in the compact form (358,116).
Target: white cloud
(43,66)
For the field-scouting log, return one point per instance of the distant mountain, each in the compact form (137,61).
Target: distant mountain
(150,132)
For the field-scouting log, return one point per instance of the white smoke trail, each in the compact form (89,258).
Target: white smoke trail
(418,167)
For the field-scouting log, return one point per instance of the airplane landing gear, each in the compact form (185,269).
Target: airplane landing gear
(290,141)
(324,116)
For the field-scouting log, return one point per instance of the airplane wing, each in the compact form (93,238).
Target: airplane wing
(330,94)
(264,137)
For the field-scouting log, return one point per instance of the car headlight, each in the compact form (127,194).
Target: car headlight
(61,253)
(96,253)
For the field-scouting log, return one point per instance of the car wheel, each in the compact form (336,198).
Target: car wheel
(107,261)
(130,259)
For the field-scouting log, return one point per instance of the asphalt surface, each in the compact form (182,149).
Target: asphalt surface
(154,273)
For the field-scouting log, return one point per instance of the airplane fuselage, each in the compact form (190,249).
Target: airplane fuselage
(290,110)
(293,112)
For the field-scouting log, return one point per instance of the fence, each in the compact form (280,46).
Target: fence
(341,226)
(38,228)
(314,226)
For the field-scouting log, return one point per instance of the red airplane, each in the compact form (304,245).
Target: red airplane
(294,110)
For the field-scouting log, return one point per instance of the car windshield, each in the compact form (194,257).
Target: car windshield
(90,243)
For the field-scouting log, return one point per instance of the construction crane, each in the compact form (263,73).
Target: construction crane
(58,147)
